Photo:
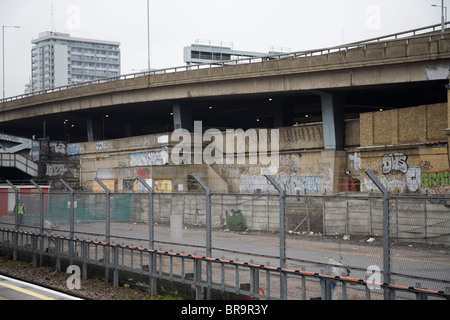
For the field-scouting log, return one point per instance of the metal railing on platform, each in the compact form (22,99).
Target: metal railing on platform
(70,209)
(244,279)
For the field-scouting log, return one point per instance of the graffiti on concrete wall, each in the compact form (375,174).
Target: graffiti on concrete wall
(57,147)
(128,184)
(292,184)
(412,179)
(399,176)
(426,166)
(73,149)
(151,158)
(254,183)
(144,173)
(436,181)
(391,184)
(396,176)
(300,184)
(56,169)
(394,162)
(102,146)
(355,161)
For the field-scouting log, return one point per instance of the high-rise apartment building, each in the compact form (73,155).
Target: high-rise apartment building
(58,60)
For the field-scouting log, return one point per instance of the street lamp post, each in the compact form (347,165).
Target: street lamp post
(3,54)
(148,35)
(443,17)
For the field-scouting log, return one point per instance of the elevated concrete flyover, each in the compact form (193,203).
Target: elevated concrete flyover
(327,85)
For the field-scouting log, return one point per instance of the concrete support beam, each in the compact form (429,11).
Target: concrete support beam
(334,164)
(182,117)
(333,116)
(94,130)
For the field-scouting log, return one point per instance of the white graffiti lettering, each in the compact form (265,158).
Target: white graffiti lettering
(394,162)
(355,159)
(56,169)
(413,180)
(152,158)
(102,146)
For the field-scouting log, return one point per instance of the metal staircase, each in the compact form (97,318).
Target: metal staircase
(14,154)
(20,162)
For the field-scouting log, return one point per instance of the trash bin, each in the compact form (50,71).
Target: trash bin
(235,221)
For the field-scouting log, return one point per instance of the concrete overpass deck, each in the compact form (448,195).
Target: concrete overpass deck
(405,69)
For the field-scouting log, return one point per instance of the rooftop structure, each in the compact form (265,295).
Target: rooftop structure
(210,51)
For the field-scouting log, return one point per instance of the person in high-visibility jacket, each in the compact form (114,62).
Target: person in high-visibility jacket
(20,212)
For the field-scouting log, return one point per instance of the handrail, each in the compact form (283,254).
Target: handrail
(297,54)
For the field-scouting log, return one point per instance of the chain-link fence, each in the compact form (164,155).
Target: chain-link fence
(313,233)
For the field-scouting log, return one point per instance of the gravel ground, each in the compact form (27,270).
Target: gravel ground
(90,288)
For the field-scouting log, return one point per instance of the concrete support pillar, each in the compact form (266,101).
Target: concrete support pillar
(333,115)
(182,117)
(334,163)
(282,115)
(94,130)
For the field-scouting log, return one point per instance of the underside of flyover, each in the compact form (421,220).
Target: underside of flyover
(243,111)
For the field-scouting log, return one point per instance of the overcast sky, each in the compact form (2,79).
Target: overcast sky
(174,24)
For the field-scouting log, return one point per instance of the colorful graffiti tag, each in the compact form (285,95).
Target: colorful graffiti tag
(436,181)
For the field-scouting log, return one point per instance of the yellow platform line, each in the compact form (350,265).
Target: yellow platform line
(31,293)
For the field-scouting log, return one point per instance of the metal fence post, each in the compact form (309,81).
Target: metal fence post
(72,206)
(16,191)
(254,282)
(16,220)
(151,222)
(208,232)
(115,250)
(208,213)
(41,221)
(151,236)
(108,227)
(108,213)
(84,258)
(326,292)
(386,229)
(34,247)
(58,250)
(72,217)
(282,198)
(41,206)
(198,279)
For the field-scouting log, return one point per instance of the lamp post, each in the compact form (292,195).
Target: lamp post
(3,54)
(443,17)
(148,35)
